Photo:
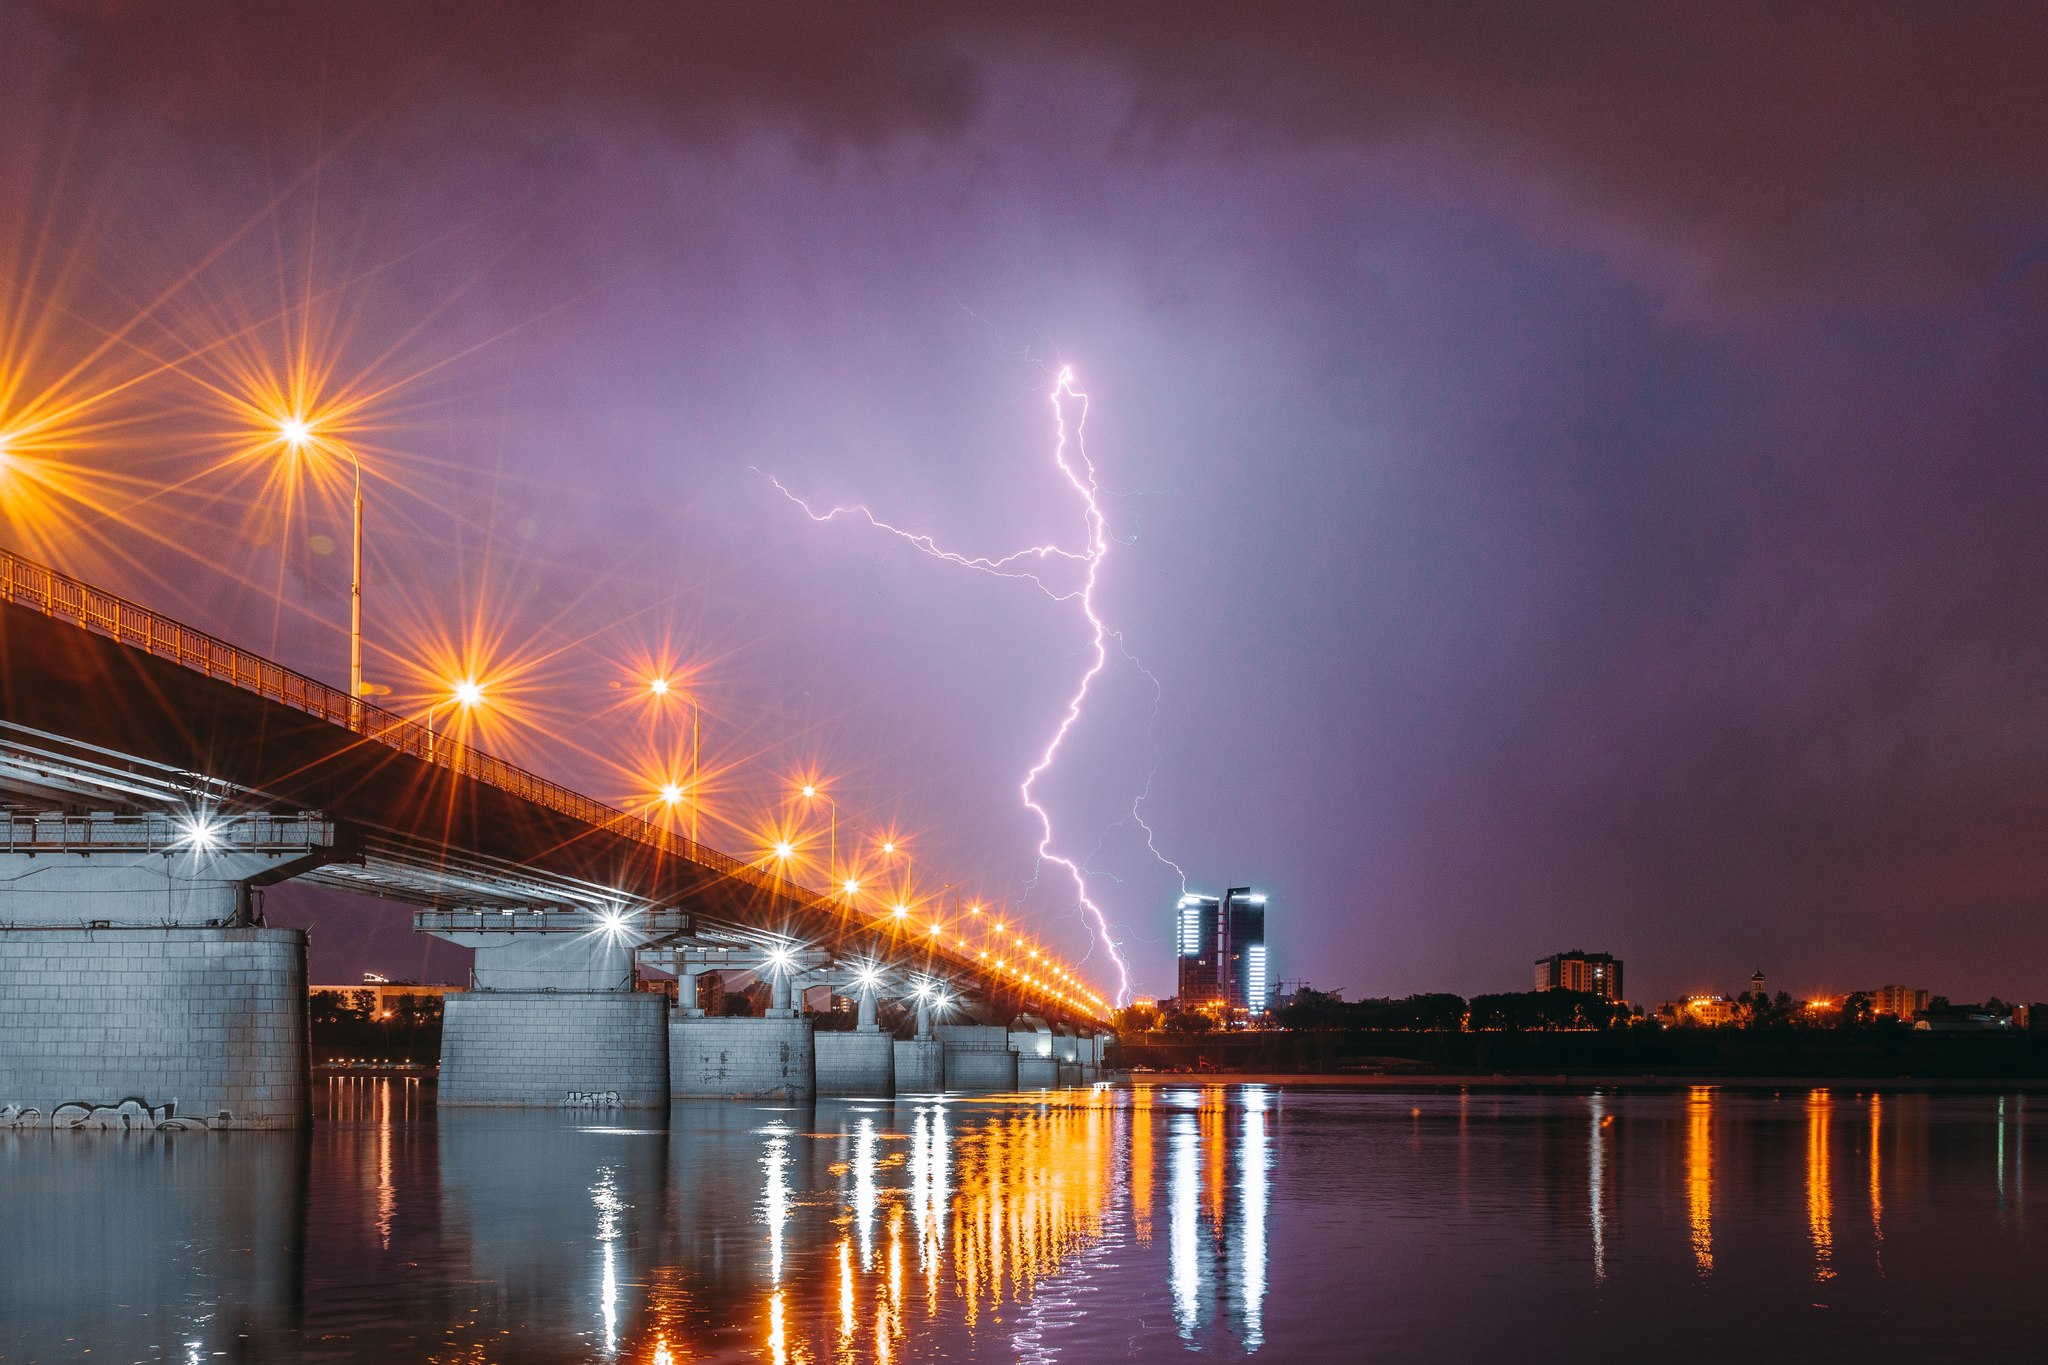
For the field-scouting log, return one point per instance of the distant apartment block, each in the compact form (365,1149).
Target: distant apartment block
(1221,950)
(1901,1001)
(1591,973)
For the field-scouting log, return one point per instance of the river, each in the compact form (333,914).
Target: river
(1214,1221)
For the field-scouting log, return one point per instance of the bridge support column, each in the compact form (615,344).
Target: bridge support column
(860,1062)
(742,1059)
(1038,1065)
(136,988)
(920,1066)
(977,1057)
(552,1018)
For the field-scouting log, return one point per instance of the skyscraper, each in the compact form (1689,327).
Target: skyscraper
(1221,946)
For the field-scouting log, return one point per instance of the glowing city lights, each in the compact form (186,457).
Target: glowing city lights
(467,693)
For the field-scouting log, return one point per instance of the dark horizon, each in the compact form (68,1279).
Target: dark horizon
(1573,471)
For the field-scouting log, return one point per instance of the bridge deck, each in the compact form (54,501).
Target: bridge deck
(97,670)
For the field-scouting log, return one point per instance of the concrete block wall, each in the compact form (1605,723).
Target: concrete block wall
(1037,1073)
(153,1028)
(979,1068)
(742,1058)
(920,1066)
(856,1063)
(574,1049)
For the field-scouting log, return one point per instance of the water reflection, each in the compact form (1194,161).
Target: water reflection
(1699,1176)
(1596,1183)
(1877,1177)
(1213,1220)
(1820,1198)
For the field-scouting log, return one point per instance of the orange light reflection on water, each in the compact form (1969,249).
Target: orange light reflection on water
(1820,1199)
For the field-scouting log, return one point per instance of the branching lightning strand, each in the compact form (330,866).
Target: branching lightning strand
(1020,565)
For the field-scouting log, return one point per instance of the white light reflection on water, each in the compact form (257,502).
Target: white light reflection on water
(604,1195)
(775,1201)
(864,1191)
(1596,1184)
(929,1194)
(1185,1192)
(1252,1161)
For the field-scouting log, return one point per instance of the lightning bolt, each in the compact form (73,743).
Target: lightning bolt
(1070,453)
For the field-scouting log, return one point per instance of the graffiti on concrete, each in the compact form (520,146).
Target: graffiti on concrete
(129,1115)
(592,1099)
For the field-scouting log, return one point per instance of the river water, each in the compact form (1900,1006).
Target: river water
(1216,1221)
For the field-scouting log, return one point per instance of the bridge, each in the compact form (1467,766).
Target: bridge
(154,778)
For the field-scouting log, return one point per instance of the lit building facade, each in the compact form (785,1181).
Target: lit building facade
(1900,1001)
(1221,945)
(1591,973)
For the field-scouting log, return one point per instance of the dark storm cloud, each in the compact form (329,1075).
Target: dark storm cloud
(1611,432)
(1732,153)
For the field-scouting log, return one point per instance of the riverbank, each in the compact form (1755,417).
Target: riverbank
(2026,1085)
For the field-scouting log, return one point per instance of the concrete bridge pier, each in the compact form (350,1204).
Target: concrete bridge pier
(771,1057)
(977,1057)
(920,1061)
(862,1062)
(553,1017)
(138,986)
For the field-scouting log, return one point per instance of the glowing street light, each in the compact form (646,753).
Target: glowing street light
(661,687)
(466,693)
(297,433)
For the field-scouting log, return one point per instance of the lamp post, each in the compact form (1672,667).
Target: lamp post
(298,434)
(661,687)
(810,792)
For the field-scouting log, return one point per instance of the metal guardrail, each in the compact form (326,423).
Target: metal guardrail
(61,597)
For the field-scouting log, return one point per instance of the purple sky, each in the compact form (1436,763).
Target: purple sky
(1579,469)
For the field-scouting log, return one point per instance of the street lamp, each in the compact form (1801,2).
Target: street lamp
(297,434)
(890,850)
(661,688)
(811,792)
(467,693)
